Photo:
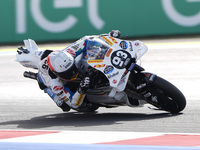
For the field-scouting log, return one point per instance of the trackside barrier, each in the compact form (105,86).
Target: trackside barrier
(54,20)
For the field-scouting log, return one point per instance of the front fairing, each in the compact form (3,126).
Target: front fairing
(111,56)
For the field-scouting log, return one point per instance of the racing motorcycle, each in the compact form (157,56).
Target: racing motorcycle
(115,75)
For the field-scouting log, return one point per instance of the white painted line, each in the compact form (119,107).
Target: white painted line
(81,137)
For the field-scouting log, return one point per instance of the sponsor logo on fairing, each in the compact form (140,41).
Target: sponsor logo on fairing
(94,61)
(113,39)
(107,40)
(108,53)
(114,81)
(99,66)
(131,47)
(108,69)
(70,52)
(76,46)
(123,44)
(112,75)
(137,44)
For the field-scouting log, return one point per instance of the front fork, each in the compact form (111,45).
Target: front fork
(138,83)
(139,77)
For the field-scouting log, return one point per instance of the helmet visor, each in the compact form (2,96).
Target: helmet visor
(70,74)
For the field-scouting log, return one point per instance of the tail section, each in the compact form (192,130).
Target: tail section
(30,55)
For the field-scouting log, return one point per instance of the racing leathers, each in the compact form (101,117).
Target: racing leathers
(56,88)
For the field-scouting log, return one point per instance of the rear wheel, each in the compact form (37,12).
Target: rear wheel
(88,108)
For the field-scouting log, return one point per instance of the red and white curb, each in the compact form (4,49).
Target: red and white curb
(183,140)
(75,137)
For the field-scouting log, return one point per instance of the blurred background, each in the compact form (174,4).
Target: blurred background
(170,29)
(64,20)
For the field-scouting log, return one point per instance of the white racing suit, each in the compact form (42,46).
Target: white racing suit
(54,86)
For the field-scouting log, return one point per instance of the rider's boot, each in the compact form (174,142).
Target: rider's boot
(64,107)
(59,102)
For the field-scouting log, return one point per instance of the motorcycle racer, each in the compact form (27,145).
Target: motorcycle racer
(99,71)
(58,68)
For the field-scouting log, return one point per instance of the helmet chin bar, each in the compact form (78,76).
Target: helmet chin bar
(70,74)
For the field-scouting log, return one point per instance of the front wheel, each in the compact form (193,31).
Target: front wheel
(165,96)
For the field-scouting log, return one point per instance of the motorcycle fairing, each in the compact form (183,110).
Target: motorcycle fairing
(115,53)
(32,59)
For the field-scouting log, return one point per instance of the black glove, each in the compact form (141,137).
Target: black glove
(84,85)
(115,33)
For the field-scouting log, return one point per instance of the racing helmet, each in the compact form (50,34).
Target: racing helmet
(63,65)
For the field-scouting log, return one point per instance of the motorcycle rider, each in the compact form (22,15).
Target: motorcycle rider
(58,68)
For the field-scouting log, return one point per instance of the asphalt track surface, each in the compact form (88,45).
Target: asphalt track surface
(23,106)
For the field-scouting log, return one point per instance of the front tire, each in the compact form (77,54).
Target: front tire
(169,98)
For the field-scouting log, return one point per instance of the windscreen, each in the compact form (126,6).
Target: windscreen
(96,49)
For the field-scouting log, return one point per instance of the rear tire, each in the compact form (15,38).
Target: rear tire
(88,108)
